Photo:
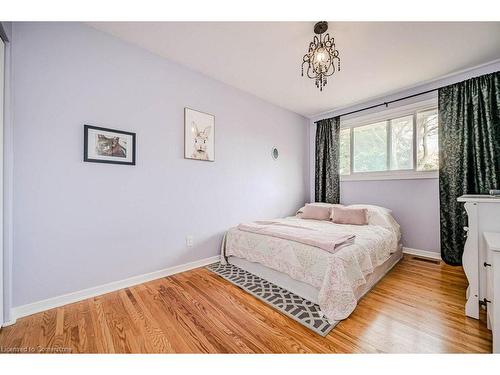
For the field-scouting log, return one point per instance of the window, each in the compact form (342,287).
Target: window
(397,144)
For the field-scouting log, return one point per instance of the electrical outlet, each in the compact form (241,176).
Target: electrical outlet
(189,241)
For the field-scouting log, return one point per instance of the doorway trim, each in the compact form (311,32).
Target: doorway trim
(6,178)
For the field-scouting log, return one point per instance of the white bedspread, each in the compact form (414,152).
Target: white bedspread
(336,276)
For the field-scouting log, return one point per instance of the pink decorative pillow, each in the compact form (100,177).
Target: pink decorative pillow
(356,216)
(315,212)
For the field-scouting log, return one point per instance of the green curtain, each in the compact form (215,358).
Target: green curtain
(469,153)
(327,160)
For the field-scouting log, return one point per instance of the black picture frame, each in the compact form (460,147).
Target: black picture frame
(86,157)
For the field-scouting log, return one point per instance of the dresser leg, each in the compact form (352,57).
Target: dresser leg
(472,305)
(470,261)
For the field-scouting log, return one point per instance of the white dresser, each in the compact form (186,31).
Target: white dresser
(483,213)
(493,286)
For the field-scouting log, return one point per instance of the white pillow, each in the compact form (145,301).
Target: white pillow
(371,207)
(380,216)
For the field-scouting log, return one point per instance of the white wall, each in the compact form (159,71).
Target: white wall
(79,225)
(415,203)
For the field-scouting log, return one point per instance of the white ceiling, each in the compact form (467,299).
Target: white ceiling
(264,58)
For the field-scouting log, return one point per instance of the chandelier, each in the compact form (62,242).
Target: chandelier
(321,57)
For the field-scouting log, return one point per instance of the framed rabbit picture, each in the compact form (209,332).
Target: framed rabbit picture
(199,135)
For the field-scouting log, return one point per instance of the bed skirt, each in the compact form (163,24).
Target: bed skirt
(307,291)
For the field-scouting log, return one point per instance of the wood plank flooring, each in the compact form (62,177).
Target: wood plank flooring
(417,307)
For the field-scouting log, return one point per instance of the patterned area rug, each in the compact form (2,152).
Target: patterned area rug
(303,311)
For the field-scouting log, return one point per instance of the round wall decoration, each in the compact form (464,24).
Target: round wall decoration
(275,153)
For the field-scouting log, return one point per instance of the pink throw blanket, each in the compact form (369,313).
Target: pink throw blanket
(330,242)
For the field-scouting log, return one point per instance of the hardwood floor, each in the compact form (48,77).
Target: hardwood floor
(417,307)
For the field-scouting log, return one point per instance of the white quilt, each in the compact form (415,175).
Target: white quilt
(337,275)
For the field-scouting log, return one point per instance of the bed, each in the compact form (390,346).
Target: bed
(335,281)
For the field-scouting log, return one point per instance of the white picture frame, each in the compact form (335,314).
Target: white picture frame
(199,135)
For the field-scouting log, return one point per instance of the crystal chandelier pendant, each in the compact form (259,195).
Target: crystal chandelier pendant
(322,58)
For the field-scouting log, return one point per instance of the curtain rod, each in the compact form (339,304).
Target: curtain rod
(388,102)
(410,96)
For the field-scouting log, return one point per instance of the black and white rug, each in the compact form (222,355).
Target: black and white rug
(303,311)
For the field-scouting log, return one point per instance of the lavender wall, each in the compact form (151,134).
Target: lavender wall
(79,225)
(415,206)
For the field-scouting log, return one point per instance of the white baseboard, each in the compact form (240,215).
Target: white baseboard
(47,304)
(422,253)
(9,323)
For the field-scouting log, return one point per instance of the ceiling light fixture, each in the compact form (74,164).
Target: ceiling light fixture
(321,57)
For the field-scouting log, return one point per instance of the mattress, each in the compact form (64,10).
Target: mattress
(308,291)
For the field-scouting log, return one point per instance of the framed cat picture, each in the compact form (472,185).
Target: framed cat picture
(103,145)
(199,135)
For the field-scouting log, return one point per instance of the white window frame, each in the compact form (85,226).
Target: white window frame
(385,115)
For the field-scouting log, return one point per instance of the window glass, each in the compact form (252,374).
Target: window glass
(345,151)
(427,141)
(370,147)
(402,143)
